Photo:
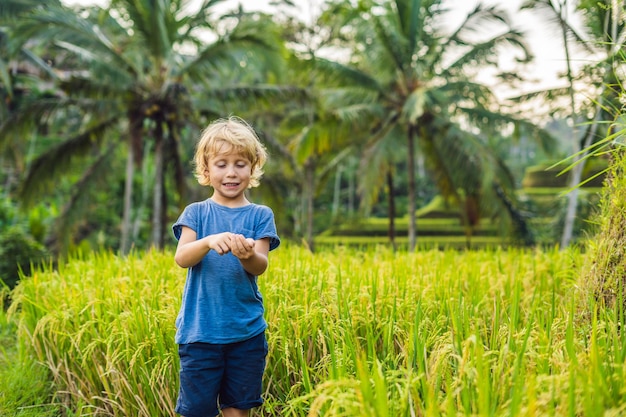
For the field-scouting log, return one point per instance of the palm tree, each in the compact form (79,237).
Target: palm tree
(313,142)
(21,73)
(310,139)
(405,73)
(558,12)
(378,171)
(604,41)
(150,71)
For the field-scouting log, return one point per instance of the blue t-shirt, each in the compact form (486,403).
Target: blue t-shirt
(221,301)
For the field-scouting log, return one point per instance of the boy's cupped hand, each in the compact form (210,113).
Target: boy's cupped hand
(241,247)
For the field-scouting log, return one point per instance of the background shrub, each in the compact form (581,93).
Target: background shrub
(18,252)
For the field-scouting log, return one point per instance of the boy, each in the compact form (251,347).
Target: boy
(224,242)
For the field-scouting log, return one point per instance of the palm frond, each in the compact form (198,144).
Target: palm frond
(555,15)
(250,97)
(547,95)
(460,160)
(352,104)
(335,73)
(202,18)
(379,157)
(251,42)
(154,23)
(410,14)
(39,63)
(57,161)
(12,9)
(484,53)
(27,117)
(358,113)
(81,36)
(82,193)
(91,88)
(393,41)
(476,20)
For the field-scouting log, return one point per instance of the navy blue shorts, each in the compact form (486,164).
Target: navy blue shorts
(223,376)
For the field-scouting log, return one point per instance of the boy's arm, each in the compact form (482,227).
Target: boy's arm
(191,250)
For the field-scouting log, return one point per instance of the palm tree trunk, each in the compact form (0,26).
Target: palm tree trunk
(577,171)
(336,193)
(134,156)
(572,203)
(128,195)
(157,202)
(351,195)
(411,188)
(308,189)
(391,210)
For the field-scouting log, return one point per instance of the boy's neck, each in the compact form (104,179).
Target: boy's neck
(230,203)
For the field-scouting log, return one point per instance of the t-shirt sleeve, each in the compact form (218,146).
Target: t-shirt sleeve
(267,228)
(187,218)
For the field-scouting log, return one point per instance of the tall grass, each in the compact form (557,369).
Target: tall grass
(433,333)
(351,333)
(103,328)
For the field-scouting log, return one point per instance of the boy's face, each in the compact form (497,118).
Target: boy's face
(229,173)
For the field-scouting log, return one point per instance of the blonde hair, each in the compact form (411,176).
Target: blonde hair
(227,135)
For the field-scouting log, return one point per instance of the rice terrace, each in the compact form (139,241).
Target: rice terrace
(352,333)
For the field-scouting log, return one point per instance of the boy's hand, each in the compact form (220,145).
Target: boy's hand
(241,247)
(220,242)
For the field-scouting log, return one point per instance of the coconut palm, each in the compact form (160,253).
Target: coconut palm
(21,74)
(308,138)
(406,72)
(149,69)
(378,170)
(603,42)
(312,142)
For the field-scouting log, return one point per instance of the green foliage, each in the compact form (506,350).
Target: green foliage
(25,384)
(20,241)
(432,227)
(25,389)
(606,269)
(18,252)
(439,224)
(548,205)
(552,175)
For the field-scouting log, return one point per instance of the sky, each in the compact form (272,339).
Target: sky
(545,44)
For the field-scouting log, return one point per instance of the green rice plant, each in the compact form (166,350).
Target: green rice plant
(463,327)
(372,332)
(103,328)
(24,384)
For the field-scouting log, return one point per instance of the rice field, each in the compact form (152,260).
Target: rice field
(351,333)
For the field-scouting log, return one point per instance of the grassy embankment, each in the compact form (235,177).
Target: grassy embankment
(440,227)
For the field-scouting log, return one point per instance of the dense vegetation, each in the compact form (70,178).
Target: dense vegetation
(102,105)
